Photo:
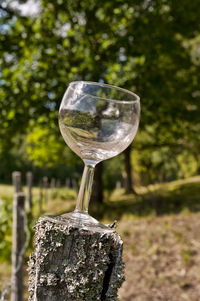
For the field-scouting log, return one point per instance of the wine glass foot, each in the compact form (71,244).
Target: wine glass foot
(82,219)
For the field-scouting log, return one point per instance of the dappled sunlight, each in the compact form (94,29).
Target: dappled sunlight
(167,198)
(159,216)
(152,189)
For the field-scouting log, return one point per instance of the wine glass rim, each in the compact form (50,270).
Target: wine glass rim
(108,86)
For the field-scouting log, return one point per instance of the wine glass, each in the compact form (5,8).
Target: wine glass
(97,121)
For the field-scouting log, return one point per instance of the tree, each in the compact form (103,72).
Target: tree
(128,180)
(149,47)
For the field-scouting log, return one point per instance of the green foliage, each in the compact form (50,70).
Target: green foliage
(150,47)
(162,165)
(43,148)
(5,229)
(112,172)
(188,164)
(64,194)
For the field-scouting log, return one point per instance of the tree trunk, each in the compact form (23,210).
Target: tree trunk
(97,187)
(128,180)
(75,263)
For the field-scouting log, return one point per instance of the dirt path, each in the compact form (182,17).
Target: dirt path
(162,257)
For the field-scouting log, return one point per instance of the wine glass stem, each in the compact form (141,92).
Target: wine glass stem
(85,188)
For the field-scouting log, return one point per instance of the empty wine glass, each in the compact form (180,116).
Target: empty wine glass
(97,121)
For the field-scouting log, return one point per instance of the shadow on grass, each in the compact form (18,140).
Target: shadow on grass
(159,202)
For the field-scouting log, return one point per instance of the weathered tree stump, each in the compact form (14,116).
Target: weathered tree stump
(75,263)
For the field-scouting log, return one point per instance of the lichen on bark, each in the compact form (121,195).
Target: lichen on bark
(75,263)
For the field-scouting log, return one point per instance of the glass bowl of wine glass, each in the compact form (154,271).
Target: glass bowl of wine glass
(97,121)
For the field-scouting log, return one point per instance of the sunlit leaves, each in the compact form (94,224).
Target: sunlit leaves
(149,47)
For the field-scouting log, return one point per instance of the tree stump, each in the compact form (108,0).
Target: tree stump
(73,262)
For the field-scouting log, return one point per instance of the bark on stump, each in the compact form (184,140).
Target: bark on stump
(75,263)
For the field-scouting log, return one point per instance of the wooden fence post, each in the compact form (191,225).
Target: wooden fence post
(118,185)
(52,187)
(18,247)
(29,183)
(45,186)
(58,184)
(75,263)
(41,194)
(67,182)
(74,185)
(16,179)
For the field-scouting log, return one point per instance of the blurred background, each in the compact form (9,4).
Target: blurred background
(153,189)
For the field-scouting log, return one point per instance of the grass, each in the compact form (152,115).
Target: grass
(160,230)
(159,199)
(162,199)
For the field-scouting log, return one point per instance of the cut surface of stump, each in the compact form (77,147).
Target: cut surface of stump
(73,262)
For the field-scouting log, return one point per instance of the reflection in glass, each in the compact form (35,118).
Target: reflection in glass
(97,121)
